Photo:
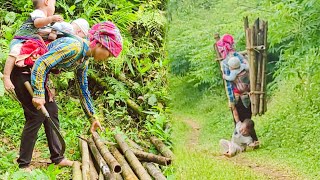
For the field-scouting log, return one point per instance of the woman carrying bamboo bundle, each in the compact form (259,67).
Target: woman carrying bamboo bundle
(233,66)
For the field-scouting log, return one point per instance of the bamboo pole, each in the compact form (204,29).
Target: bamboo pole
(132,159)
(148,157)
(134,106)
(161,147)
(111,161)
(246,23)
(265,65)
(134,144)
(131,104)
(76,171)
(101,162)
(261,102)
(85,159)
(252,69)
(127,172)
(259,36)
(93,172)
(154,171)
(119,177)
(256,56)
(101,176)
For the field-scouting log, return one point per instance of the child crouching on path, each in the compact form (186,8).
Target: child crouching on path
(241,139)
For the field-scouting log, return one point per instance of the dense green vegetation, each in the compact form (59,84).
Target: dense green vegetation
(288,131)
(139,74)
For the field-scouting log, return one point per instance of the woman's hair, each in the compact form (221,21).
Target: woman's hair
(249,124)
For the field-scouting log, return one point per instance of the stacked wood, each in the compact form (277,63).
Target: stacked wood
(132,159)
(111,161)
(256,42)
(119,161)
(154,171)
(161,147)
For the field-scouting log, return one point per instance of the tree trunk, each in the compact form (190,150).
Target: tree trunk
(149,157)
(127,172)
(154,171)
(161,147)
(132,159)
(111,161)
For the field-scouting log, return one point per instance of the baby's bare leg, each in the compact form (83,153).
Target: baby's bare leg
(7,72)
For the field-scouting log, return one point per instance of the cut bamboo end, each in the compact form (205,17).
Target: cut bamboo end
(100,161)
(107,156)
(127,172)
(132,159)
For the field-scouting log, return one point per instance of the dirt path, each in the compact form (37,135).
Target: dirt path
(193,138)
(268,170)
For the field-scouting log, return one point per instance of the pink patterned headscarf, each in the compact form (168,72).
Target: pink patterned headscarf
(108,35)
(225,45)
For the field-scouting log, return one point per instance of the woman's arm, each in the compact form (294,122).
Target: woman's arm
(229,88)
(231,77)
(82,86)
(85,98)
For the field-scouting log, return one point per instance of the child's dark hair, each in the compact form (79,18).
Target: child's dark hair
(35,3)
(249,124)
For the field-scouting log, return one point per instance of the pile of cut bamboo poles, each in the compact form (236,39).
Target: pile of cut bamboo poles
(105,160)
(256,45)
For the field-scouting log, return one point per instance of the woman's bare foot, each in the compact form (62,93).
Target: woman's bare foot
(65,162)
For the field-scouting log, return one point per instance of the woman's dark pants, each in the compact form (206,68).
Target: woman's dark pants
(34,120)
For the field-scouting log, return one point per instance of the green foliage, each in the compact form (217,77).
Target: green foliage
(190,40)
(288,131)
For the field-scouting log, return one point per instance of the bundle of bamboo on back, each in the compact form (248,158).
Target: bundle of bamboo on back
(256,45)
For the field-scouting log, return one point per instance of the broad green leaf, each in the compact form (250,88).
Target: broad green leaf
(152,100)
(10,17)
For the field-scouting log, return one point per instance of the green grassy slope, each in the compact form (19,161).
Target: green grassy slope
(288,131)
